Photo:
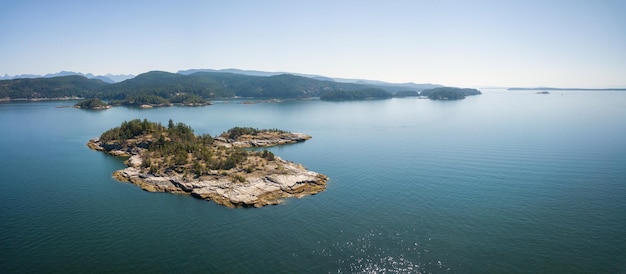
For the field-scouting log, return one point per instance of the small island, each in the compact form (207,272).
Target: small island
(449,93)
(95,104)
(253,137)
(150,101)
(173,159)
(569,89)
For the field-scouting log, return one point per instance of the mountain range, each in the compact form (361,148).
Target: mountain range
(159,87)
(107,78)
(115,78)
(399,86)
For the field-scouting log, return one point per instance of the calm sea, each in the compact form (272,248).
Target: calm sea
(501,182)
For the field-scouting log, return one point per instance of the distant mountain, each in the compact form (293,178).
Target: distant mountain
(212,84)
(55,87)
(108,78)
(389,87)
(288,85)
(231,70)
(159,86)
(254,73)
(116,78)
(196,86)
(395,86)
(9,77)
(112,78)
(164,85)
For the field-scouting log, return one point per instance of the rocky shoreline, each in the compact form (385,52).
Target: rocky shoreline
(268,184)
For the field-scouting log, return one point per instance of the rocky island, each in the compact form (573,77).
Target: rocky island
(251,137)
(173,159)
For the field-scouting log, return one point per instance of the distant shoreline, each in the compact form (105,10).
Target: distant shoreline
(8,99)
(578,89)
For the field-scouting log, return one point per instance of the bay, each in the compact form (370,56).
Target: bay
(501,182)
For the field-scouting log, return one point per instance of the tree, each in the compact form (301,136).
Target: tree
(268,155)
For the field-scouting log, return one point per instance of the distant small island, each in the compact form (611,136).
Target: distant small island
(449,93)
(564,89)
(144,101)
(149,101)
(173,159)
(95,104)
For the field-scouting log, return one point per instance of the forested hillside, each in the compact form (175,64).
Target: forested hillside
(56,87)
(164,88)
(362,94)
(159,87)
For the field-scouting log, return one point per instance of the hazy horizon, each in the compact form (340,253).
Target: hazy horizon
(130,76)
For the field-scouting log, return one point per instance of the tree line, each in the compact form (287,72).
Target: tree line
(176,148)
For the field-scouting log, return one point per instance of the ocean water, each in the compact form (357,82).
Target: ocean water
(501,182)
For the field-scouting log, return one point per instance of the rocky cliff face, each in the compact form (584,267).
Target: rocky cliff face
(268,183)
(257,190)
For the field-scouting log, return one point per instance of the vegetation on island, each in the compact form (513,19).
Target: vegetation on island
(236,132)
(406,93)
(176,148)
(173,159)
(95,103)
(141,99)
(449,93)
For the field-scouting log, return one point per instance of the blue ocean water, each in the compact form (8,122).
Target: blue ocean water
(501,182)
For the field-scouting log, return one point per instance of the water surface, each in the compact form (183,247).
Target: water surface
(501,182)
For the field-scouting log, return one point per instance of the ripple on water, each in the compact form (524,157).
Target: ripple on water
(380,251)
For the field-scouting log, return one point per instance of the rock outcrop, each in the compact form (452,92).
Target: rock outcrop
(256,191)
(262,139)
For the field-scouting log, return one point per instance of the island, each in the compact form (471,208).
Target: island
(569,89)
(449,93)
(150,101)
(95,104)
(173,159)
(253,137)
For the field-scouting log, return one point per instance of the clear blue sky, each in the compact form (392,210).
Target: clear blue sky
(570,43)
